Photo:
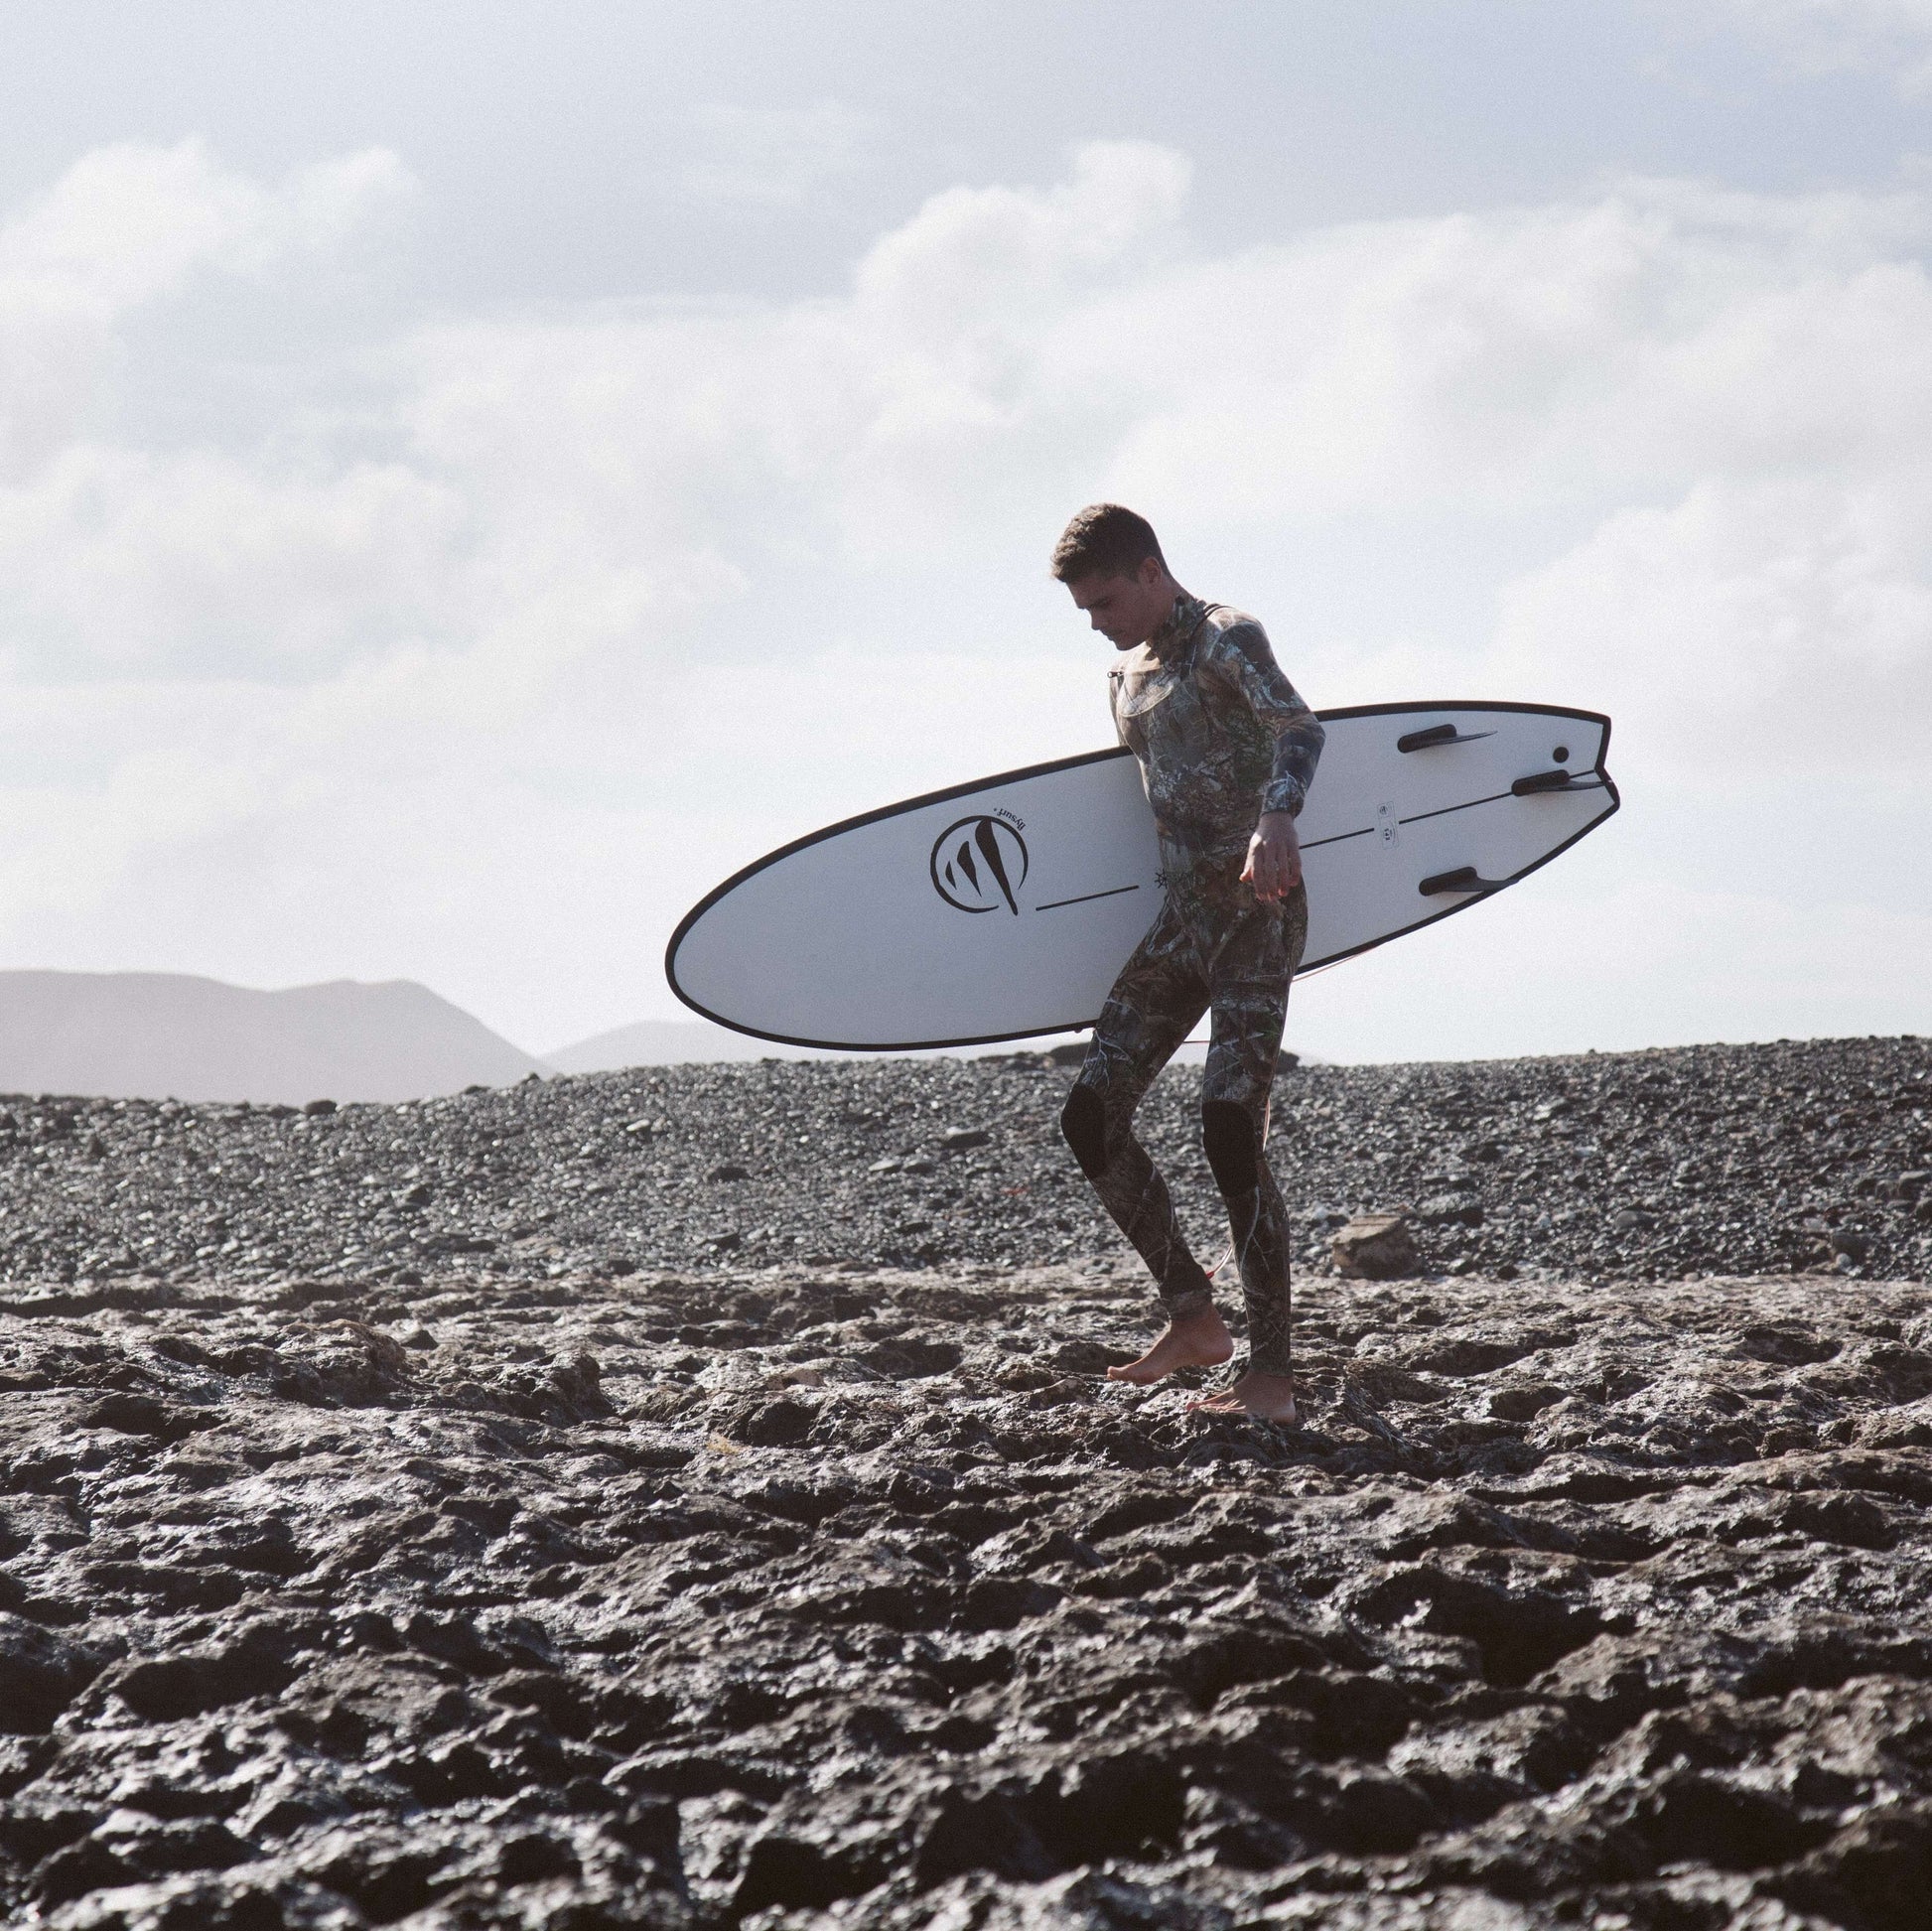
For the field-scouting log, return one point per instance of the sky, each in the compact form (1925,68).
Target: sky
(474,475)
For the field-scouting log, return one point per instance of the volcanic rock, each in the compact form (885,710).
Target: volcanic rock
(684,1600)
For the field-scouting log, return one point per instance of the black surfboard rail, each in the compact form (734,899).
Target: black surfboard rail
(1595,777)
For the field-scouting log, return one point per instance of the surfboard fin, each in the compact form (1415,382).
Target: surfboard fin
(1463,878)
(1438,734)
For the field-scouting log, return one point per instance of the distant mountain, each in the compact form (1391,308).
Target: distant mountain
(168,1035)
(664,1043)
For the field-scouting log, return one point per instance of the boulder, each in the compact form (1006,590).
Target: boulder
(1375,1247)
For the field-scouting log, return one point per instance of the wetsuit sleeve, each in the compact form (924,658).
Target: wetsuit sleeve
(1244,661)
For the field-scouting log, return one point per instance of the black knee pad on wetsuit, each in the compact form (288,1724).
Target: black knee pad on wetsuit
(1083,1120)
(1233,1145)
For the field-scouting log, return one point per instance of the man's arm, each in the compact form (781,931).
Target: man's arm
(1274,865)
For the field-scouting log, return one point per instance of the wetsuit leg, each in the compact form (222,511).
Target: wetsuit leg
(1160,994)
(1258,949)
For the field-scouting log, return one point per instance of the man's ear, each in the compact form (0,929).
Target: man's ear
(1151,572)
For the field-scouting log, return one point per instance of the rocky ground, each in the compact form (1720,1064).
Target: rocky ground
(533,1554)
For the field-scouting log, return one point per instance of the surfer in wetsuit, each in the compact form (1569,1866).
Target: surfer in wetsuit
(1227,749)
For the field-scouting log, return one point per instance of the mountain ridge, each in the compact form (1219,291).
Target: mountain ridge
(186,1037)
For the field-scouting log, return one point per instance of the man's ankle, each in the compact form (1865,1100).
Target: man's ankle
(1189,1304)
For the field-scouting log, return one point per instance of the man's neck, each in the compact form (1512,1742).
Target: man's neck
(1164,634)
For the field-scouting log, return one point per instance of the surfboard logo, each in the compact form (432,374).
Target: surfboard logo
(979,863)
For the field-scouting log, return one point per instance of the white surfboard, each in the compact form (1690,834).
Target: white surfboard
(1004,908)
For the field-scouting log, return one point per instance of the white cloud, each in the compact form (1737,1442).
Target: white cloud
(1818,35)
(516,631)
(1752,621)
(126,227)
(196,564)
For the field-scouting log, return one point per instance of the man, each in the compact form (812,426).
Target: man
(1226,750)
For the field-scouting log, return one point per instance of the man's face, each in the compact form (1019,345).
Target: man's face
(1126,610)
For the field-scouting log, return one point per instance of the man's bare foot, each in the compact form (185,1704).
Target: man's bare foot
(1193,1341)
(1267,1397)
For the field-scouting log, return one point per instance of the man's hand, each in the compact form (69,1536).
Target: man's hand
(1273,865)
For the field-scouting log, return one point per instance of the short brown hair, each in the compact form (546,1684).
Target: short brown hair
(1106,540)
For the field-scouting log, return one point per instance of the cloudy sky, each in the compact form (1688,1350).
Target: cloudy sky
(472,475)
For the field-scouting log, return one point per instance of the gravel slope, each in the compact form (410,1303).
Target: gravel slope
(1654,1164)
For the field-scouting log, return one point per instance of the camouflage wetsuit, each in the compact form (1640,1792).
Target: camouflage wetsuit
(1221,736)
